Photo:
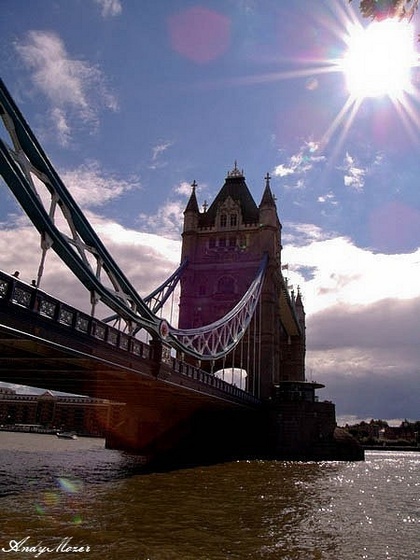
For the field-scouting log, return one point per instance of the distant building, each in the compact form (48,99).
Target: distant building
(84,415)
(405,431)
(379,432)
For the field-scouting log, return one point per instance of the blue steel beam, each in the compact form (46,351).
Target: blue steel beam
(157,299)
(31,203)
(27,159)
(36,212)
(34,209)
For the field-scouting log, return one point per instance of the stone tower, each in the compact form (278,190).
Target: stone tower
(224,245)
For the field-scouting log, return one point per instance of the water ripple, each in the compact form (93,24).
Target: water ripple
(268,510)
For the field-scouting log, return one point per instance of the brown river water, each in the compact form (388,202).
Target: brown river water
(76,499)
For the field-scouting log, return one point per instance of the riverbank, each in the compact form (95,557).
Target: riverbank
(35,429)
(28,429)
(391,447)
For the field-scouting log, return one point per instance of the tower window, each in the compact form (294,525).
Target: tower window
(233,220)
(223,220)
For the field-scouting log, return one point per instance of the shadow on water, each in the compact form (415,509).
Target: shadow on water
(239,510)
(245,510)
(23,470)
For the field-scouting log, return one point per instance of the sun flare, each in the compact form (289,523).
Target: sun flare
(379,59)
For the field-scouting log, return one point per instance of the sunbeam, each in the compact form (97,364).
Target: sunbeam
(375,61)
(345,118)
(409,116)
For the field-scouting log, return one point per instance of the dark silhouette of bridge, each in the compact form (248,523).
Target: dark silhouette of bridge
(234,301)
(49,344)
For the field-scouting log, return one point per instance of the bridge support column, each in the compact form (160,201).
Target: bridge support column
(302,428)
(176,438)
(136,431)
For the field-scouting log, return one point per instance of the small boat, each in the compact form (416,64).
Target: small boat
(66,435)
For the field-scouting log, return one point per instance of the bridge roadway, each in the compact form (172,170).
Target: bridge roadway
(48,344)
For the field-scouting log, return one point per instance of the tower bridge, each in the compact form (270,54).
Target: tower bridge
(236,314)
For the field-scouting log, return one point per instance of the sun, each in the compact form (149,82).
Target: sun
(379,59)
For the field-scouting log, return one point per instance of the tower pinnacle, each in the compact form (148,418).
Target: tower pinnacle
(192,205)
(267,198)
(235,171)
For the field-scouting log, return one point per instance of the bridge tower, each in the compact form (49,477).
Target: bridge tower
(224,244)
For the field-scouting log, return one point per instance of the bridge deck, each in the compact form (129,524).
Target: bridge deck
(47,343)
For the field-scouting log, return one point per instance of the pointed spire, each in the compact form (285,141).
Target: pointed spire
(192,205)
(299,297)
(300,310)
(267,197)
(235,171)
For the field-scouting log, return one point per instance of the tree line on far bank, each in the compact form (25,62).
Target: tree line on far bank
(378,432)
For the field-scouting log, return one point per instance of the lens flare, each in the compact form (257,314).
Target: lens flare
(379,59)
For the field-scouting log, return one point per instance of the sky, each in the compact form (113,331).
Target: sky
(135,100)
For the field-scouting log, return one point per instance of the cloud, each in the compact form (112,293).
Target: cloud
(169,218)
(301,163)
(110,8)
(363,312)
(183,189)
(328,198)
(283,170)
(75,90)
(146,259)
(367,326)
(347,274)
(63,128)
(297,234)
(370,382)
(354,176)
(157,152)
(90,186)
(167,221)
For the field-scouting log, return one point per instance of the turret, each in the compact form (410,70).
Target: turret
(267,207)
(269,222)
(300,311)
(191,212)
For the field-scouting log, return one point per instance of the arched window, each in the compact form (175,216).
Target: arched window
(233,220)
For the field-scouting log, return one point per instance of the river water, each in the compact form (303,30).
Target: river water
(73,498)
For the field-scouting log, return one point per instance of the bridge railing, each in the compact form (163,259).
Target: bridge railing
(31,298)
(14,292)
(210,379)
